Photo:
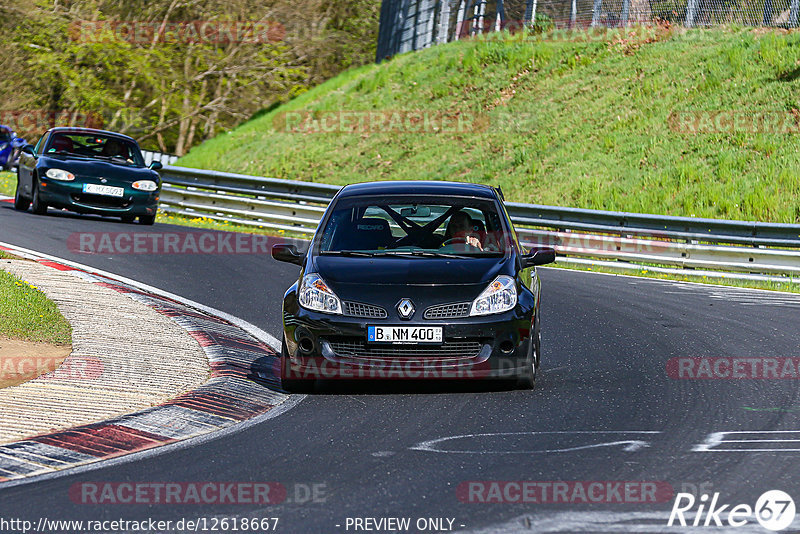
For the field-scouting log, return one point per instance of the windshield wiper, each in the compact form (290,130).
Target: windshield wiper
(66,153)
(424,254)
(347,253)
(117,159)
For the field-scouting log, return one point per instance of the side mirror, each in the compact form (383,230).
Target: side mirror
(287,253)
(156,165)
(28,149)
(539,256)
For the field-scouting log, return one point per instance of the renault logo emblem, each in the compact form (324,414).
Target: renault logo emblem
(405,308)
(103,180)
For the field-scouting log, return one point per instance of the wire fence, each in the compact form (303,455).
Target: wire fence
(407,25)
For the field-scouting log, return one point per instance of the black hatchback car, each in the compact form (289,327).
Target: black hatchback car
(88,171)
(413,280)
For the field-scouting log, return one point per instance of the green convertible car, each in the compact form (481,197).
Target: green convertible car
(88,171)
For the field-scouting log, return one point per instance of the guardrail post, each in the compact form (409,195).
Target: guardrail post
(530,12)
(444,22)
(626,8)
(767,17)
(691,13)
(598,5)
(793,13)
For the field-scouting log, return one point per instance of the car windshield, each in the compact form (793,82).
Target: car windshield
(102,147)
(443,227)
(5,136)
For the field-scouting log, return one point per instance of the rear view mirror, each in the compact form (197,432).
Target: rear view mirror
(539,256)
(416,211)
(287,253)
(156,165)
(28,149)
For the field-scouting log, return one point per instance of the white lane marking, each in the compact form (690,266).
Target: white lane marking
(715,439)
(278,410)
(584,521)
(677,283)
(629,445)
(250,328)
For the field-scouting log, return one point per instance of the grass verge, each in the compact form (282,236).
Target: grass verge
(8,183)
(571,122)
(26,314)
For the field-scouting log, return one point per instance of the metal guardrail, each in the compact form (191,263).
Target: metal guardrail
(682,242)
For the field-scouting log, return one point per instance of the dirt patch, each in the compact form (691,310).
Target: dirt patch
(21,361)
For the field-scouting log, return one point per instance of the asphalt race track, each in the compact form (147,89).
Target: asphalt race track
(604,409)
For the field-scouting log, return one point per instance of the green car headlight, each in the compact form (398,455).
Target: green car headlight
(60,175)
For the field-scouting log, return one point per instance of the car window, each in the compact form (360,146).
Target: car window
(114,149)
(40,144)
(433,226)
(5,135)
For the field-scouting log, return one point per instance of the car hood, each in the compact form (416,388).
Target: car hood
(340,271)
(100,169)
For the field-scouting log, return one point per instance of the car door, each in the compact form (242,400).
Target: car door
(27,163)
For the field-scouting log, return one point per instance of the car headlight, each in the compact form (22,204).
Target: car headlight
(315,295)
(145,185)
(3,146)
(60,174)
(498,297)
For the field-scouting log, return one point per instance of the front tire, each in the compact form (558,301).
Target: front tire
(292,385)
(39,207)
(527,380)
(147,220)
(127,219)
(20,202)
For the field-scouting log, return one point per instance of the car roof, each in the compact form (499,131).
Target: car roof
(89,131)
(418,187)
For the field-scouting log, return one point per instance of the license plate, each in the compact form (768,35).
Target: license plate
(404,334)
(107,190)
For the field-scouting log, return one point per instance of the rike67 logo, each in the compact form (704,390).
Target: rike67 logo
(774,510)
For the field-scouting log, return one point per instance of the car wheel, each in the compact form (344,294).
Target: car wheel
(20,202)
(527,380)
(147,220)
(292,385)
(39,207)
(128,219)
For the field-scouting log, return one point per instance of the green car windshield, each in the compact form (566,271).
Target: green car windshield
(414,226)
(92,146)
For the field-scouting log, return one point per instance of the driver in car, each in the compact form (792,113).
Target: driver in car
(460,230)
(115,149)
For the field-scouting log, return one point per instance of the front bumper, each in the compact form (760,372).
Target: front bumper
(70,196)
(324,346)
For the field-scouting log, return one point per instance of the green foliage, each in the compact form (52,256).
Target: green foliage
(173,93)
(572,122)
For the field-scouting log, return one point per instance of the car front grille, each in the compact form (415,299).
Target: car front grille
(449,351)
(448,311)
(101,201)
(357,309)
